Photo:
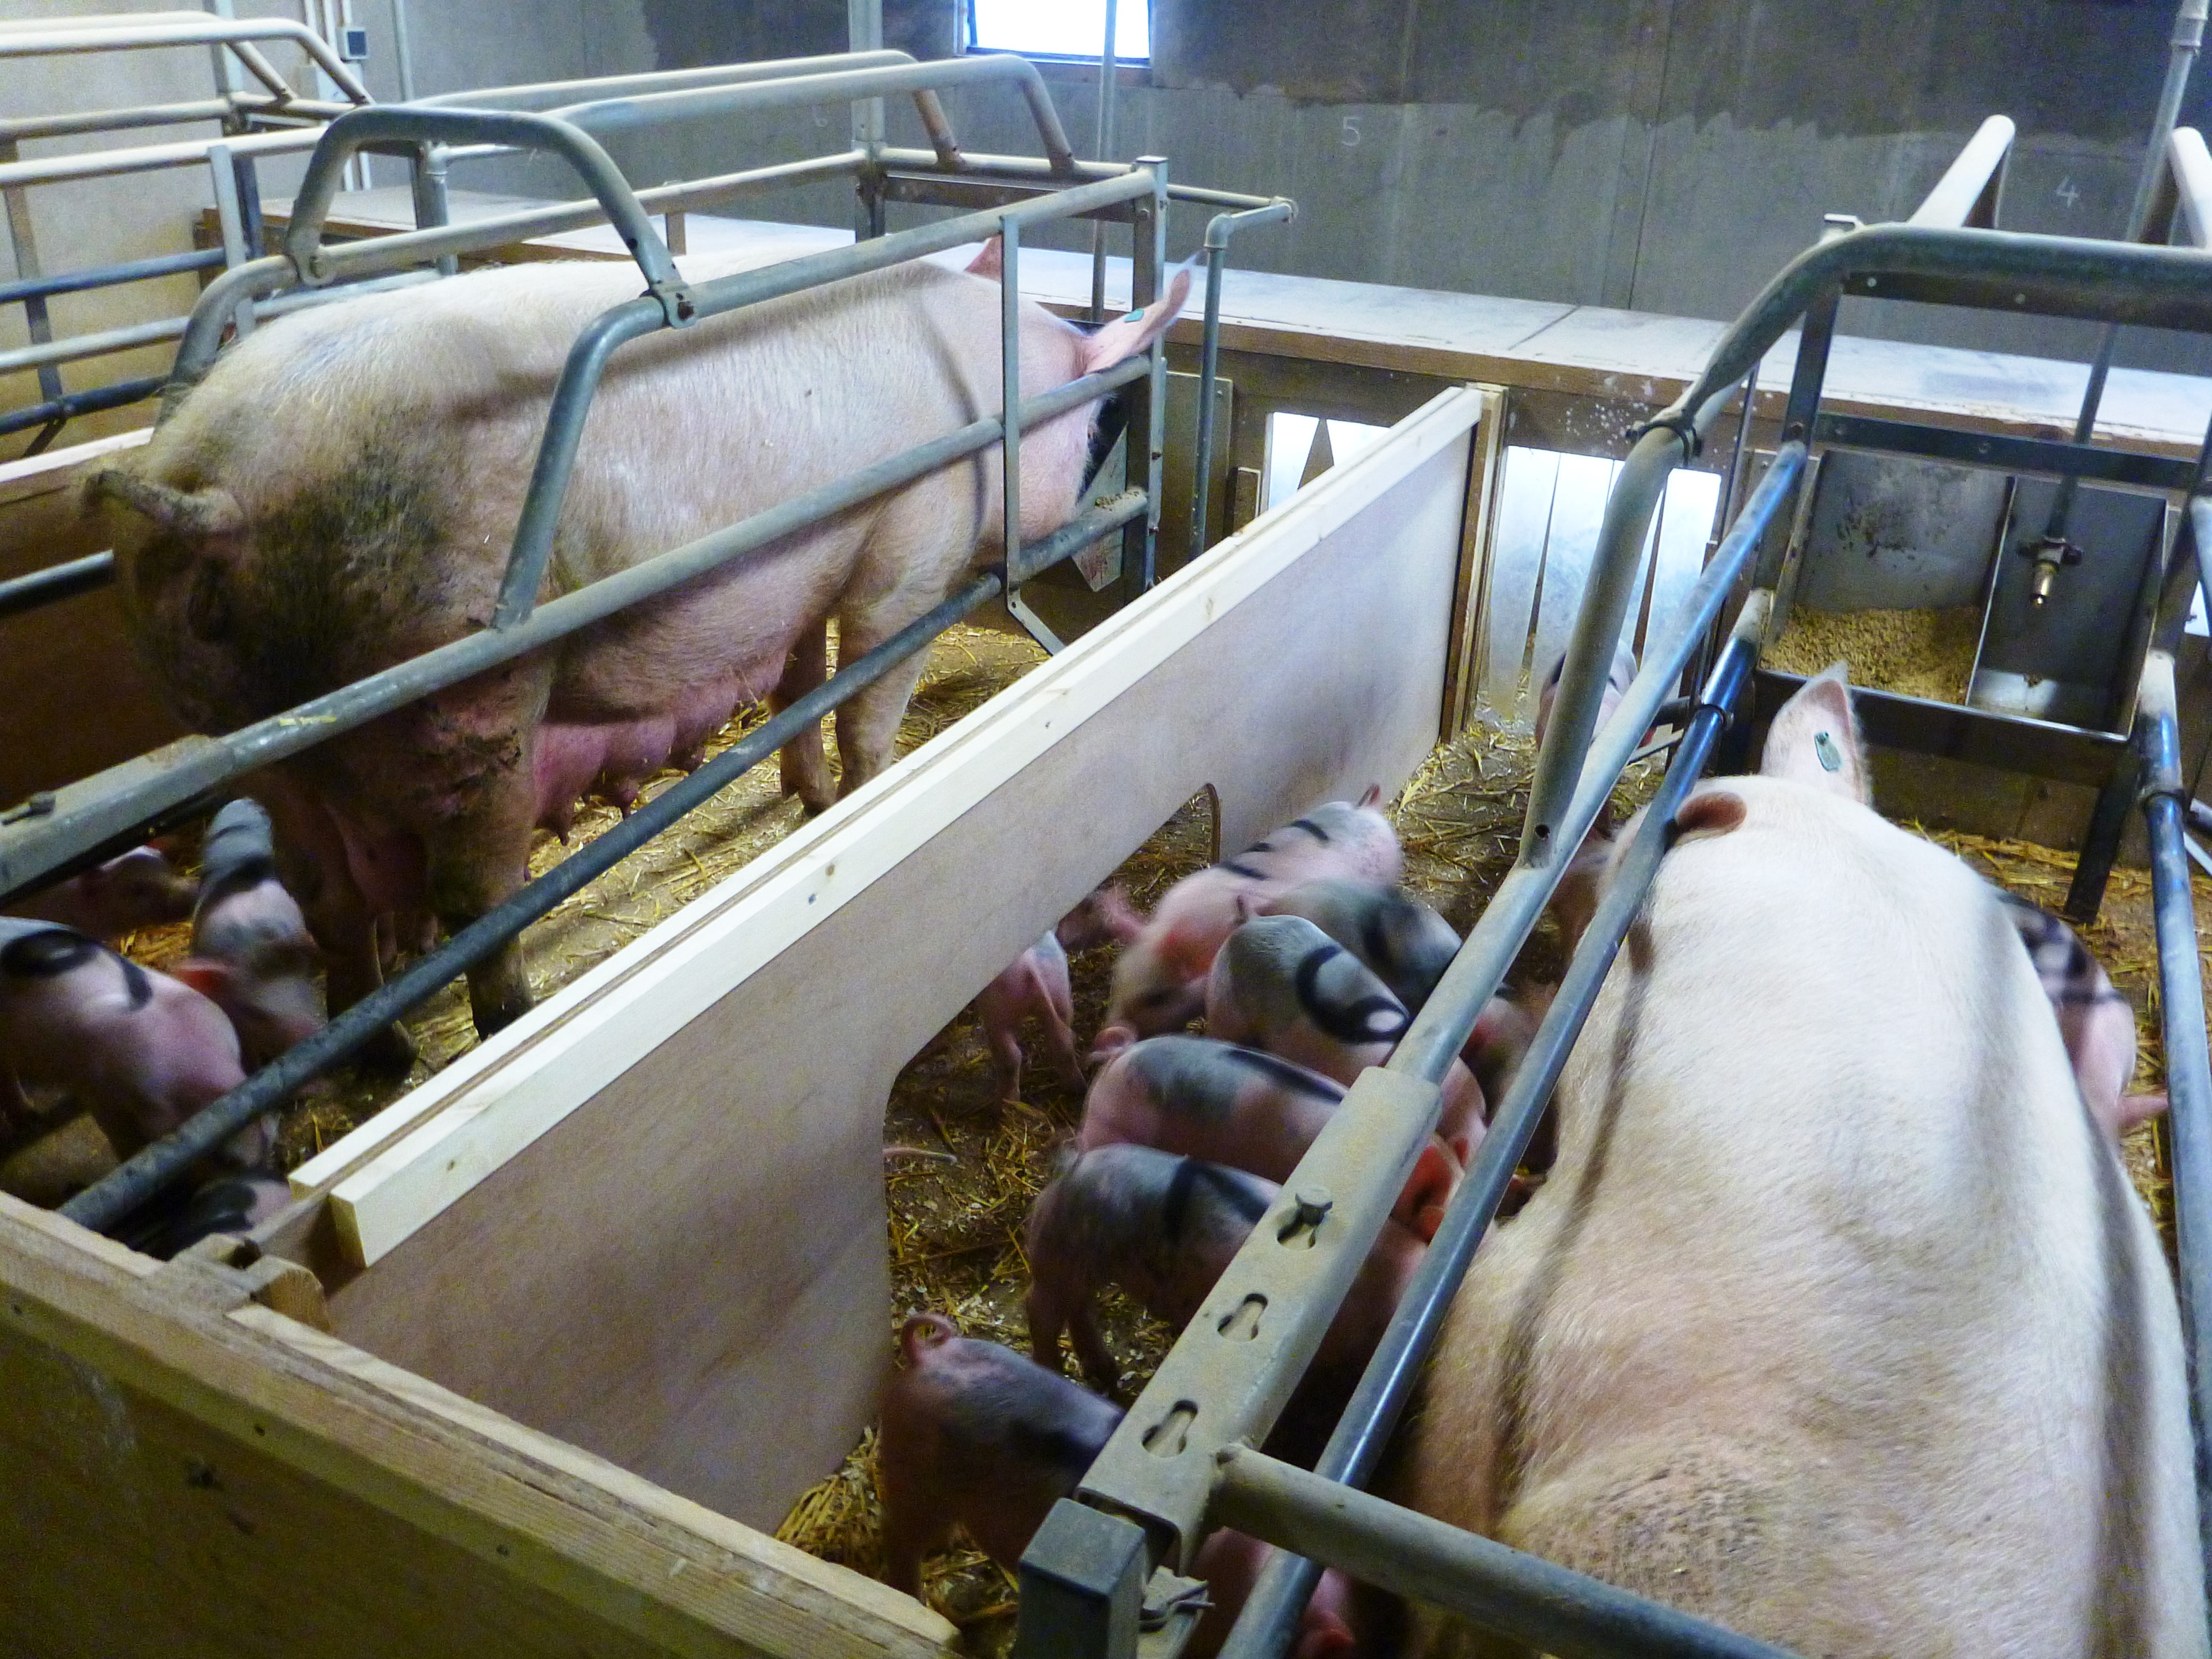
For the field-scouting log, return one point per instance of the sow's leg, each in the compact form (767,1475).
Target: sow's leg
(805,766)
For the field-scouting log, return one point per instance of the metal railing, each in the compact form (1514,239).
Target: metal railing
(59,831)
(275,121)
(1181,1463)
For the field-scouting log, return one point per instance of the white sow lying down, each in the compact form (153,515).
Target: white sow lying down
(1837,1321)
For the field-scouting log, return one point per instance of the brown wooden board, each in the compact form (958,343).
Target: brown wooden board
(185,1481)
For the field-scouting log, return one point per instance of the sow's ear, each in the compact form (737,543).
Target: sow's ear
(991,260)
(1133,333)
(1708,813)
(1814,740)
(205,516)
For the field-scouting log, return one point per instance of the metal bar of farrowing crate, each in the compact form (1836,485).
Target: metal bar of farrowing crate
(1370,1416)
(1554,1610)
(1219,230)
(1968,188)
(531,550)
(549,94)
(2188,1061)
(237,35)
(163,1162)
(55,583)
(92,276)
(148,158)
(113,802)
(246,105)
(71,405)
(2052,457)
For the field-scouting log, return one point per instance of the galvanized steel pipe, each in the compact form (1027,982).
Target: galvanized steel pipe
(1219,230)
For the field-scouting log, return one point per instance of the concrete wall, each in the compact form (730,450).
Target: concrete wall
(1659,155)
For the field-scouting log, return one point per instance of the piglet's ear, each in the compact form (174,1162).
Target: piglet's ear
(991,260)
(1814,740)
(1133,333)
(1710,811)
(1373,795)
(210,979)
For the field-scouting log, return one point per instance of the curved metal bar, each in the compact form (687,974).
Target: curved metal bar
(1219,230)
(414,125)
(1967,192)
(236,34)
(2112,278)
(2190,169)
(549,94)
(611,115)
(219,300)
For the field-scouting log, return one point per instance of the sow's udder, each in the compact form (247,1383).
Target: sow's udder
(617,757)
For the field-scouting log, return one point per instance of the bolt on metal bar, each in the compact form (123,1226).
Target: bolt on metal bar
(1967,192)
(532,549)
(1555,1611)
(113,802)
(56,582)
(2188,1061)
(163,1162)
(1271,1613)
(1219,230)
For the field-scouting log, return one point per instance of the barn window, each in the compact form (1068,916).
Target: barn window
(1060,28)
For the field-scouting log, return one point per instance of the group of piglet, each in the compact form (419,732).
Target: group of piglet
(142,1050)
(1308,961)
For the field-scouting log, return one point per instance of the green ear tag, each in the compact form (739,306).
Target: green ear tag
(1831,756)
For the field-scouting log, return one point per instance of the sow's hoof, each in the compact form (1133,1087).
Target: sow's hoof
(390,1053)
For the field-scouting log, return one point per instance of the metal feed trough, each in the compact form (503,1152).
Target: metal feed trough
(52,835)
(1101,1579)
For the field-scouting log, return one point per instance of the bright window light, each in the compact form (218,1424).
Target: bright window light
(1060,28)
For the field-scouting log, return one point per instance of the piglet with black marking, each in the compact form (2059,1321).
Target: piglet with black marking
(1159,982)
(1403,943)
(2095,1020)
(141,889)
(252,953)
(140,1051)
(1162,1228)
(976,1436)
(1252,1111)
(1283,985)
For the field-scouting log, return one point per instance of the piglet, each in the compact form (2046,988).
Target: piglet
(1249,1109)
(140,1051)
(1159,982)
(974,1435)
(1402,941)
(2096,1019)
(141,889)
(1036,983)
(1162,1228)
(1574,901)
(252,953)
(1281,984)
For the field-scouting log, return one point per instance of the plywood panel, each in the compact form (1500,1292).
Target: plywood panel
(649,1217)
(183,1482)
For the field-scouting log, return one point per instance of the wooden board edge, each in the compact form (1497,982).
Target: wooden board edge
(1471,595)
(711,1590)
(57,469)
(469,1121)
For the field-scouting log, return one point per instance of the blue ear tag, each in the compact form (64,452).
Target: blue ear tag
(1831,757)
